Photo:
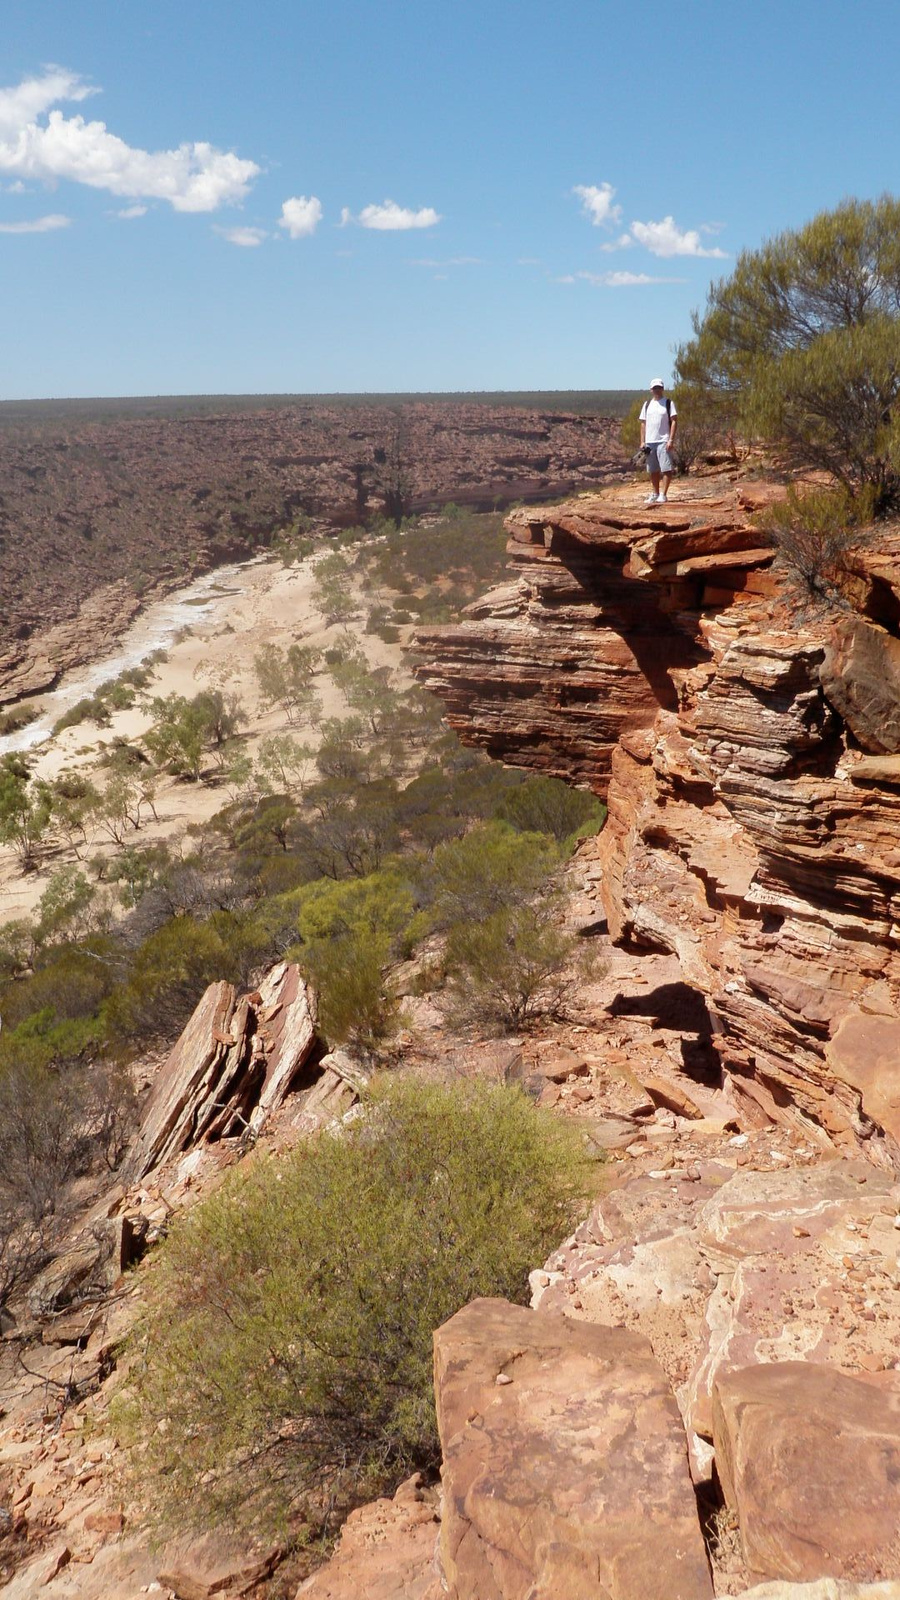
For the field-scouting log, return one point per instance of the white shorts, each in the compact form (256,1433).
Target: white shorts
(658,459)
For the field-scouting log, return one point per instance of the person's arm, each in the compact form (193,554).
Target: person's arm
(673,428)
(643,425)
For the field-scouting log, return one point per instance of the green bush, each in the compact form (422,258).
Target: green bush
(350,932)
(173,967)
(285,1362)
(814,531)
(510,968)
(547,805)
(491,868)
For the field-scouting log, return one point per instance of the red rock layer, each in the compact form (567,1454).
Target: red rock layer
(656,656)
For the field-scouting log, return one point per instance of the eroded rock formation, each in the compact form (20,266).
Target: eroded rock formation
(748,751)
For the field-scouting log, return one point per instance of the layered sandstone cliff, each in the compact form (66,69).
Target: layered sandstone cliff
(749,751)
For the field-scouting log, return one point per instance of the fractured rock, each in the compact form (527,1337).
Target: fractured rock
(232,1066)
(810,1461)
(571,1479)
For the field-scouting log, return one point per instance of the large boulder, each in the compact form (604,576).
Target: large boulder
(861,677)
(809,1459)
(565,1463)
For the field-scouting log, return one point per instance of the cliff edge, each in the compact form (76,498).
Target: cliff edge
(749,753)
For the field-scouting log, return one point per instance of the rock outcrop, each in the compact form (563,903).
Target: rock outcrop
(747,751)
(565,1465)
(810,1459)
(771,1300)
(230,1069)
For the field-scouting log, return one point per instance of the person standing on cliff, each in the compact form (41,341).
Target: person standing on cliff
(659,420)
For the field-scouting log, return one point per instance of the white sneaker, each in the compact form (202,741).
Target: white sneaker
(662,500)
(651,500)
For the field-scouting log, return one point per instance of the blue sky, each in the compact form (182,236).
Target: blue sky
(287,196)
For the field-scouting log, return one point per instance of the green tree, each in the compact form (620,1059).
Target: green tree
(333,591)
(283,765)
(25,810)
(287,1347)
(804,341)
(286,679)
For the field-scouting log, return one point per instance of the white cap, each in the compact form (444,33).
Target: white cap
(657,383)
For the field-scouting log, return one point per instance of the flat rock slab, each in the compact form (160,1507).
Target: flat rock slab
(807,1265)
(214,1565)
(386,1552)
(810,1461)
(565,1463)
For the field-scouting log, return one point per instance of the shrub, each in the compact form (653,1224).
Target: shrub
(491,868)
(350,931)
(814,530)
(173,967)
(547,805)
(287,1362)
(510,968)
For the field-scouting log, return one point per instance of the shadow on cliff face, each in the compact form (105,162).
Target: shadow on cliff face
(683,1009)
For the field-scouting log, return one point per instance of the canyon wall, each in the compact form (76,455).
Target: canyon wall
(99,511)
(747,747)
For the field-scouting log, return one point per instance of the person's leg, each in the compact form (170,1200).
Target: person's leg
(665,479)
(653,470)
(666,465)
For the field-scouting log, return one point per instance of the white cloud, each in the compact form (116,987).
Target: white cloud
(129,212)
(617,280)
(39,225)
(346,216)
(624,242)
(597,204)
(248,238)
(193,177)
(391,218)
(666,239)
(453,261)
(300,216)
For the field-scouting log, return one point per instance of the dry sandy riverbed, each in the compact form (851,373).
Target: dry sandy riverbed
(211,632)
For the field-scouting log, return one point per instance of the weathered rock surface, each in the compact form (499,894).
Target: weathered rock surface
(810,1460)
(214,1564)
(723,1269)
(824,1589)
(656,657)
(565,1465)
(386,1551)
(232,1066)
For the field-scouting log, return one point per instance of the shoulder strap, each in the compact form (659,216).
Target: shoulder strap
(668,408)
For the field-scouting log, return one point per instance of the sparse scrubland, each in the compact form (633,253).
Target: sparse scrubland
(351,843)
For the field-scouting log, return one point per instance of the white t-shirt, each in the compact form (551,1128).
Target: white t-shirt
(654,413)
